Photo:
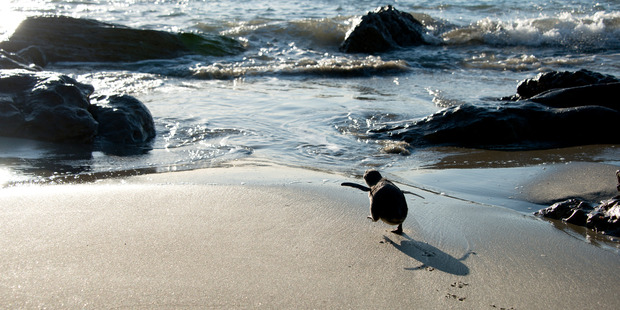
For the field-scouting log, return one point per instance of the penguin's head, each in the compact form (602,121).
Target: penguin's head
(372,177)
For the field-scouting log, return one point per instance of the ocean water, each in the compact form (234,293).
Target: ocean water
(292,98)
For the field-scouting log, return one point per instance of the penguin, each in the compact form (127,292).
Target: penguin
(387,201)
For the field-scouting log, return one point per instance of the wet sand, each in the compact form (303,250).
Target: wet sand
(278,237)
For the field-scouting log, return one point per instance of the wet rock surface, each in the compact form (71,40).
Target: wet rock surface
(53,107)
(554,80)
(31,59)
(122,120)
(603,218)
(561,117)
(61,38)
(382,30)
(45,106)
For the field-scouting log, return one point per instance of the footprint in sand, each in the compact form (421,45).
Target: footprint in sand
(457,284)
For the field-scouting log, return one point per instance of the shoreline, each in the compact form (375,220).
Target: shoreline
(282,238)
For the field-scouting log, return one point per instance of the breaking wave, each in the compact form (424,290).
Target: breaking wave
(582,33)
(330,67)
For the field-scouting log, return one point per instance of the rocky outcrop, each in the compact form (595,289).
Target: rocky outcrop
(603,95)
(31,59)
(382,30)
(45,106)
(554,118)
(556,80)
(603,218)
(61,38)
(53,107)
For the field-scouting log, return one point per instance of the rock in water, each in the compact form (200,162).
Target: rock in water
(45,106)
(510,126)
(56,108)
(28,59)
(556,80)
(553,117)
(596,95)
(123,119)
(382,30)
(572,211)
(63,38)
(604,218)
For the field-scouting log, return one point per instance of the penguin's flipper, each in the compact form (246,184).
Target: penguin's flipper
(358,186)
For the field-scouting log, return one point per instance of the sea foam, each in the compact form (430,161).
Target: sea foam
(600,30)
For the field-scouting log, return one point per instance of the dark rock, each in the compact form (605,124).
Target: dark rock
(56,108)
(382,30)
(556,80)
(45,106)
(509,126)
(578,217)
(596,94)
(604,218)
(557,117)
(20,60)
(11,119)
(62,38)
(34,56)
(123,119)
(564,210)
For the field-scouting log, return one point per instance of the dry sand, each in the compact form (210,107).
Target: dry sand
(278,237)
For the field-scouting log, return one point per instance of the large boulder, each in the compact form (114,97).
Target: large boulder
(56,108)
(62,38)
(596,94)
(509,126)
(45,106)
(382,30)
(551,117)
(31,59)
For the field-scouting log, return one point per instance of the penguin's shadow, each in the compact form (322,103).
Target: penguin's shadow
(430,257)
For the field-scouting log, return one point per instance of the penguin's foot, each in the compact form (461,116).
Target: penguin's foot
(398,230)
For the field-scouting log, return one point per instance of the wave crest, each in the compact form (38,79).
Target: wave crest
(598,31)
(331,67)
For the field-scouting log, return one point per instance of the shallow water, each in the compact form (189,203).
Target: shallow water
(294,99)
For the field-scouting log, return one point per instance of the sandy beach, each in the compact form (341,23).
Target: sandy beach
(266,236)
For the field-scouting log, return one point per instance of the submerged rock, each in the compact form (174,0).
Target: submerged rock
(382,30)
(61,38)
(56,108)
(572,116)
(604,218)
